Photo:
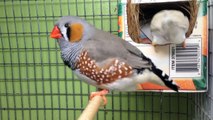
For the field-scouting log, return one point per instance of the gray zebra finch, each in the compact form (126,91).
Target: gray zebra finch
(104,60)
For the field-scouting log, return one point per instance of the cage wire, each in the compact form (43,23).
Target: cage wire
(203,102)
(35,84)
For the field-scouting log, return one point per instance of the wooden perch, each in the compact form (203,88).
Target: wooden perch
(91,109)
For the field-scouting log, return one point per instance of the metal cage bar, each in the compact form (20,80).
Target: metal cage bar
(204,101)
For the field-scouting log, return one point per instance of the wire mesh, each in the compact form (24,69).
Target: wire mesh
(204,102)
(35,85)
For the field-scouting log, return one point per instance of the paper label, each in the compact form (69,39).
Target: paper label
(186,62)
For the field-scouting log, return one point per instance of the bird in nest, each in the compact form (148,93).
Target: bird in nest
(169,27)
(104,60)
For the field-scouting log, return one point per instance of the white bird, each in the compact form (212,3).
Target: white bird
(169,27)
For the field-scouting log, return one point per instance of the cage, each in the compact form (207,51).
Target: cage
(35,85)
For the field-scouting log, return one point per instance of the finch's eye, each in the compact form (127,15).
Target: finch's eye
(66,25)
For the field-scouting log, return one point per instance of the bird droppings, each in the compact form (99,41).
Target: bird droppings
(107,74)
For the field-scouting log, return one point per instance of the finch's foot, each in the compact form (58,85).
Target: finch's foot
(101,93)
(154,44)
(184,44)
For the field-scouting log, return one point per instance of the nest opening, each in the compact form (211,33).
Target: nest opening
(140,14)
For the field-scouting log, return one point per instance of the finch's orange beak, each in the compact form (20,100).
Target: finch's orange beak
(55,33)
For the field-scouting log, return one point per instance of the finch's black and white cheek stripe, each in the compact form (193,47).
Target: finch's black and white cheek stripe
(64,31)
(68,33)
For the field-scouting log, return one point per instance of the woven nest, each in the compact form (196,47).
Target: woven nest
(139,14)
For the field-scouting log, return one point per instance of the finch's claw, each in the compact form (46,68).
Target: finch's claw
(101,93)
(154,44)
(184,44)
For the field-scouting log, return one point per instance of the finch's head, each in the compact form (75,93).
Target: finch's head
(70,28)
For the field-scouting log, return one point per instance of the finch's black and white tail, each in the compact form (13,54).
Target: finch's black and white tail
(163,76)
